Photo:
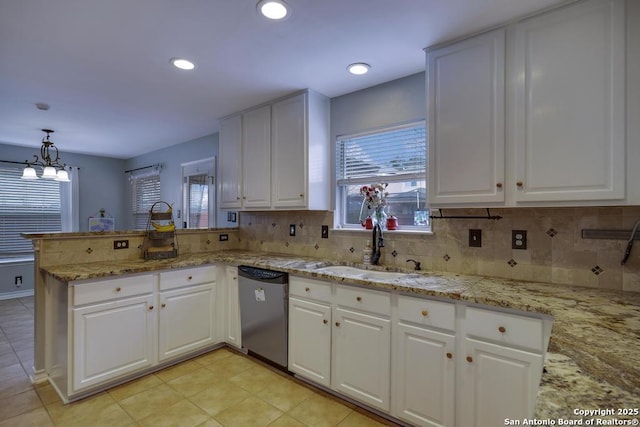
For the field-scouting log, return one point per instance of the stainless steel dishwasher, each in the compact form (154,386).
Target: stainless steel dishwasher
(263,312)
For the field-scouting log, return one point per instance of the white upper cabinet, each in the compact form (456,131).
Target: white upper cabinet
(290,152)
(245,160)
(300,150)
(560,137)
(256,158)
(277,156)
(465,109)
(570,112)
(230,167)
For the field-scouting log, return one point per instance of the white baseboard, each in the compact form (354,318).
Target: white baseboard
(16,294)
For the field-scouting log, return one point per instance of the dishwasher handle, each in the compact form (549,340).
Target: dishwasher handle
(262,275)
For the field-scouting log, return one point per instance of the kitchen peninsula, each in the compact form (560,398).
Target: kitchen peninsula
(593,357)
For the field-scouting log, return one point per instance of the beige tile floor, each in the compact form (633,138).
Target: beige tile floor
(220,388)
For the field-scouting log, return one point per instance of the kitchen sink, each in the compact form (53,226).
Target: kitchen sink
(383,275)
(345,270)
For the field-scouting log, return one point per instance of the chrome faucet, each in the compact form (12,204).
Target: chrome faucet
(378,242)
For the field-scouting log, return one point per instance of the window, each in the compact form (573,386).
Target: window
(26,207)
(396,156)
(145,191)
(198,193)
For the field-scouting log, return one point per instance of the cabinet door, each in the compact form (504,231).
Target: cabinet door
(361,357)
(256,158)
(186,320)
(496,383)
(310,340)
(424,376)
(289,143)
(230,166)
(233,333)
(465,102)
(112,339)
(570,112)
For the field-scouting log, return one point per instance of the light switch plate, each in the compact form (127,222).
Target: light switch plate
(292,229)
(475,238)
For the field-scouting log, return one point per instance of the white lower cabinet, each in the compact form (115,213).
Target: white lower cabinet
(231,309)
(423,368)
(186,320)
(450,364)
(500,367)
(186,311)
(310,340)
(112,339)
(496,382)
(340,337)
(361,357)
(310,329)
(109,330)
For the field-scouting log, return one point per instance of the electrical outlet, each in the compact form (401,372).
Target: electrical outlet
(518,239)
(17,281)
(325,232)
(292,229)
(224,237)
(120,244)
(475,238)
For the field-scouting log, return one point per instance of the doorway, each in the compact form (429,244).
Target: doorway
(198,193)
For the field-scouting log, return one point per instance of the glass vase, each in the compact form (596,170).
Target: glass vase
(380,217)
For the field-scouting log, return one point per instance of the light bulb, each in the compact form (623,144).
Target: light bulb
(359,68)
(273,9)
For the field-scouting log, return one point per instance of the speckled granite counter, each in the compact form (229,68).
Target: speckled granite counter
(594,354)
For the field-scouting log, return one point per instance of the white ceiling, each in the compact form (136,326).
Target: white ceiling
(103,66)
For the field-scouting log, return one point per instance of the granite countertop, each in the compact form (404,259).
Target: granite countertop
(593,362)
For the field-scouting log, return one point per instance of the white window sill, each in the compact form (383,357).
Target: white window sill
(16,260)
(399,232)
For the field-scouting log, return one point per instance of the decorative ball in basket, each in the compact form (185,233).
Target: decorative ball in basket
(160,241)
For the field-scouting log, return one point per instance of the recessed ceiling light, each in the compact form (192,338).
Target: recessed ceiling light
(183,64)
(273,9)
(359,68)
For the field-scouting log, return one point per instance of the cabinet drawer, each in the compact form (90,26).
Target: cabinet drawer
(436,314)
(104,290)
(505,328)
(364,299)
(309,288)
(187,276)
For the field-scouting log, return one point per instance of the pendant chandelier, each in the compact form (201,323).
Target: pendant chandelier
(48,160)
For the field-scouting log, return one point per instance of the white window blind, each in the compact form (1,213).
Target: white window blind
(26,207)
(145,189)
(394,155)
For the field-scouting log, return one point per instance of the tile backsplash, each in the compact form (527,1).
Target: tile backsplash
(556,252)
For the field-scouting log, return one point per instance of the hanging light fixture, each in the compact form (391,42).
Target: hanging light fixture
(51,166)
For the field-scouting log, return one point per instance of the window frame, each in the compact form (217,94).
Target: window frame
(140,211)
(36,216)
(341,184)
